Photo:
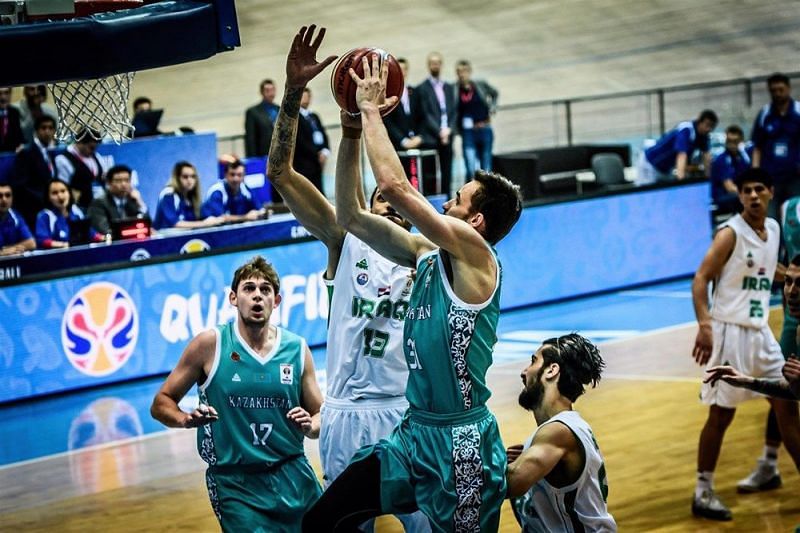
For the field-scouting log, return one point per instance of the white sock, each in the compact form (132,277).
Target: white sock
(770,455)
(705,481)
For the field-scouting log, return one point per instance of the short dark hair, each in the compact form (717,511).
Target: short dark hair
(778,77)
(117,169)
(736,130)
(402,60)
(257,266)
(757,175)
(795,261)
(86,135)
(141,100)
(499,201)
(267,81)
(579,360)
(463,63)
(707,114)
(41,119)
(233,163)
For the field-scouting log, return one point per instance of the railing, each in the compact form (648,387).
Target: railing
(628,116)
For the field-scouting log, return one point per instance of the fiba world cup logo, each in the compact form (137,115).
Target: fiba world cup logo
(99,329)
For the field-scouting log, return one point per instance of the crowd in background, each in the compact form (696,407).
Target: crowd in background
(52,190)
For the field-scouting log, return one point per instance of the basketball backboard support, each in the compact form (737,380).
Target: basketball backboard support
(129,40)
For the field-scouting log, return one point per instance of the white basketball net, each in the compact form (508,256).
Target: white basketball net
(98,106)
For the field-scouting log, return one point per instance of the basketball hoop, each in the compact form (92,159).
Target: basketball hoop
(97,107)
(125,36)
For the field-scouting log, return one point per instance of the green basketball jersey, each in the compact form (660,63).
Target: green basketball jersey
(791,228)
(252,395)
(448,343)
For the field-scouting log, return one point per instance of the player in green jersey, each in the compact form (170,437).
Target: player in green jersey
(259,399)
(445,457)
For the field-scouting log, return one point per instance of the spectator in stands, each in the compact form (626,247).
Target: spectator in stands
(15,237)
(726,166)
(145,119)
(33,170)
(230,197)
(33,106)
(399,123)
(81,168)
(259,121)
(776,140)
(669,158)
(120,201)
(476,102)
(179,202)
(10,123)
(52,228)
(436,117)
(311,149)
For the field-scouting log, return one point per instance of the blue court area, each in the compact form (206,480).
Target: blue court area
(114,413)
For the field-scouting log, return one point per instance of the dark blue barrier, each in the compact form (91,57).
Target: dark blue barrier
(100,327)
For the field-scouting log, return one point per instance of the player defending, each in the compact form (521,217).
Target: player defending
(366,367)
(788,388)
(559,476)
(446,457)
(742,261)
(258,399)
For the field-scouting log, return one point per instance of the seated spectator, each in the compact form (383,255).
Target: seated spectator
(52,223)
(179,202)
(669,158)
(230,197)
(33,107)
(15,237)
(81,168)
(10,123)
(33,170)
(120,201)
(726,166)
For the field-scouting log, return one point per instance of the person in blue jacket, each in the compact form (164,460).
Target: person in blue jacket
(180,201)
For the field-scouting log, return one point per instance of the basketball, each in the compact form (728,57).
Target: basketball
(344,88)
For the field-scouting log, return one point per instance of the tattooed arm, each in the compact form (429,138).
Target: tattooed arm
(777,388)
(304,200)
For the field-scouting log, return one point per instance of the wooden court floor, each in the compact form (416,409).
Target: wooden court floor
(645,414)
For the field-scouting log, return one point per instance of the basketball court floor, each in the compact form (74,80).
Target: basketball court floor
(96,461)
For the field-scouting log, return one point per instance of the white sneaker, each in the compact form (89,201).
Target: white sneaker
(764,477)
(708,505)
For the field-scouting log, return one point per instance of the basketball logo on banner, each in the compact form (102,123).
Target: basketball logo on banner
(99,329)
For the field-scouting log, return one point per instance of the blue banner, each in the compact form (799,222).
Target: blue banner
(111,326)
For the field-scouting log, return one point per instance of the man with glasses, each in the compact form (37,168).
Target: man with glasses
(120,201)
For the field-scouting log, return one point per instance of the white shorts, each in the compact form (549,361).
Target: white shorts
(754,352)
(346,426)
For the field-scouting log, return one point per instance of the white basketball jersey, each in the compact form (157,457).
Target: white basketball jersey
(580,506)
(365,326)
(741,293)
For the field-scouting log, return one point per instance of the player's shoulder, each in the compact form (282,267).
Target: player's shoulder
(556,433)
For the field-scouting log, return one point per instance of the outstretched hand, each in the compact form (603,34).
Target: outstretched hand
(728,374)
(371,90)
(301,63)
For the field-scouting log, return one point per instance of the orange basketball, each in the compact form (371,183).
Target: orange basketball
(344,88)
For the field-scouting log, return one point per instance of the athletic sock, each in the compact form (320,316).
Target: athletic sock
(705,481)
(770,456)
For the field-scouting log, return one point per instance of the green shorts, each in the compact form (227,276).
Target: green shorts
(265,501)
(789,334)
(451,467)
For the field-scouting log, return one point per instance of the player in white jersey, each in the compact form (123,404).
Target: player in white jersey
(366,368)
(741,261)
(557,480)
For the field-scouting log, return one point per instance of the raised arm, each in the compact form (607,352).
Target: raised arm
(381,234)
(449,233)
(305,201)
(710,269)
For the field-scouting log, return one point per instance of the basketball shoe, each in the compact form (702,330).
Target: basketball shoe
(708,505)
(764,477)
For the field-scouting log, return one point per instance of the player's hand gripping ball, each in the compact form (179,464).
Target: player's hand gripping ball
(344,88)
